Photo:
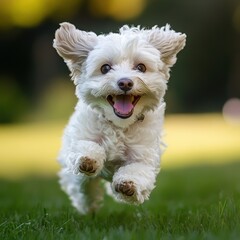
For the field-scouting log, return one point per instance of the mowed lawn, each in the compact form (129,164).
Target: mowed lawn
(197,194)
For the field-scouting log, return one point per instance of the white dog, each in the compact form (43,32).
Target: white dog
(115,131)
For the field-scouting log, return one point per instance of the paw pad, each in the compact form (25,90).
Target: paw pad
(127,188)
(88,166)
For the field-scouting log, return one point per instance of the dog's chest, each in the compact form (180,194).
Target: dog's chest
(116,144)
(118,149)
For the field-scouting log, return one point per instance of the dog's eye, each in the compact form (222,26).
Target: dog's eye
(105,68)
(141,67)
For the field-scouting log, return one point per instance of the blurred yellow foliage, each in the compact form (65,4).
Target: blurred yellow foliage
(29,13)
(119,10)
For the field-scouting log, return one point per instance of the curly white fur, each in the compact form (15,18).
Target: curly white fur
(115,131)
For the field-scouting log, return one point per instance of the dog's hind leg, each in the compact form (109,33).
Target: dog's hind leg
(85,193)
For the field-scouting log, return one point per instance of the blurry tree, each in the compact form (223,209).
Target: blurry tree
(118,10)
(206,75)
(31,13)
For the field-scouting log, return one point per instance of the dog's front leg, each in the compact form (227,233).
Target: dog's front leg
(83,157)
(133,183)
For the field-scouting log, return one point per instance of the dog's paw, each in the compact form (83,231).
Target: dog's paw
(88,166)
(127,188)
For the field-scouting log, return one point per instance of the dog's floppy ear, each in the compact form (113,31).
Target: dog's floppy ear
(168,42)
(73,46)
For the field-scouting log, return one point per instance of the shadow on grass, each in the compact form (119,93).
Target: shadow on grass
(191,202)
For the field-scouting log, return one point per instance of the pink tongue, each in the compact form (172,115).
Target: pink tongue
(123,104)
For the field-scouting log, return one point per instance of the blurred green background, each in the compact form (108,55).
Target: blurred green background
(33,78)
(37,96)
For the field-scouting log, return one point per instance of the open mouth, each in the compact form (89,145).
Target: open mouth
(123,105)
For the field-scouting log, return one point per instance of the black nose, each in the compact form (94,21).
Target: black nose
(125,84)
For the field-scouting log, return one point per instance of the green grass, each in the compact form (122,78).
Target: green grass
(200,202)
(197,194)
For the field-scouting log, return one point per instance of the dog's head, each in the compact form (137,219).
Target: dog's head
(121,74)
